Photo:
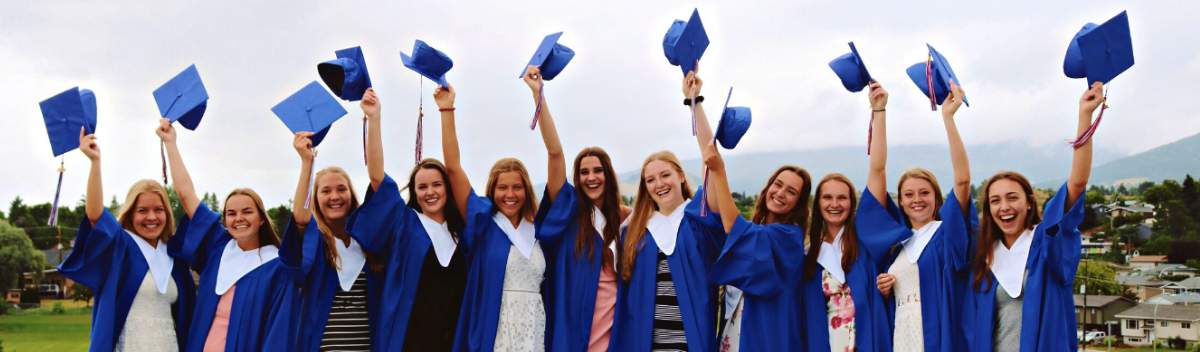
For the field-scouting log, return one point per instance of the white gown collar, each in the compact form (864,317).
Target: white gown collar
(916,244)
(665,228)
(236,263)
(157,259)
(1008,264)
(439,235)
(522,237)
(353,260)
(598,220)
(831,257)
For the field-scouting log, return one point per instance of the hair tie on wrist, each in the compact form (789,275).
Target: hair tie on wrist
(688,102)
(878,110)
(446,109)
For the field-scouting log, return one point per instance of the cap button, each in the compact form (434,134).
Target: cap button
(1108,51)
(309,109)
(178,95)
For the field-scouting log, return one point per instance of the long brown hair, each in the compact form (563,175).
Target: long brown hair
(450,211)
(816,233)
(643,208)
(938,199)
(327,234)
(125,215)
(610,207)
(800,213)
(266,232)
(990,232)
(529,209)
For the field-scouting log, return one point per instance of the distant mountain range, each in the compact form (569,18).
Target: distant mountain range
(1046,167)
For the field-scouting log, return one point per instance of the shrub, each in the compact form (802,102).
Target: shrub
(58,309)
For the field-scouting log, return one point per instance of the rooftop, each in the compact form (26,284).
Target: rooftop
(1171,298)
(1163,312)
(1098,301)
(1139,280)
(1148,258)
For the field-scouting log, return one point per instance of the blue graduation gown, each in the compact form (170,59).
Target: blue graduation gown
(1047,309)
(386,226)
(766,262)
(571,280)
(879,229)
(486,247)
(696,248)
(945,257)
(265,302)
(110,263)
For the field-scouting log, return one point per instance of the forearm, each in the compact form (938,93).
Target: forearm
(1081,163)
(962,165)
(375,151)
(459,182)
(877,173)
(94,204)
(183,180)
(557,168)
(719,193)
(300,212)
(704,131)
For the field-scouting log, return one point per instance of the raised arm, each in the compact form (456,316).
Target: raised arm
(183,181)
(958,152)
(371,107)
(94,200)
(444,96)
(300,213)
(877,174)
(1081,162)
(704,131)
(718,186)
(557,170)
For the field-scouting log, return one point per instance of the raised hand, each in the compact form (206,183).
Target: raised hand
(533,78)
(712,158)
(165,131)
(878,96)
(87,144)
(370,103)
(444,96)
(953,101)
(1092,99)
(303,145)
(690,81)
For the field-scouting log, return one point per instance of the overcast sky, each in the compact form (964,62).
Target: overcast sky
(619,92)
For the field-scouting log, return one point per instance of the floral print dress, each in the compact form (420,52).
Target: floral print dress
(839,308)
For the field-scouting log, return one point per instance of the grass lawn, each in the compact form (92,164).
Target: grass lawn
(38,330)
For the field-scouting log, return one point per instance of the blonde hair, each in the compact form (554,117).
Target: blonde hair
(923,174)
(266,232)
(643,208)
(125,215)
(327,234)
(529,209)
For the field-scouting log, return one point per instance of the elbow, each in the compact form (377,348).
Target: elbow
(1077,185)
(963,182)
(556,153)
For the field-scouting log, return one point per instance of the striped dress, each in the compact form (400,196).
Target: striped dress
(348,329)
(668,323)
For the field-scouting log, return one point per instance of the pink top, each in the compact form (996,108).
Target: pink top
(606,301)
(220,325)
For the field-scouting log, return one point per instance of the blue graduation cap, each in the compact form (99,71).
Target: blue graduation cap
(64,114)
(429,62)
(685,42)
(940,75)
(851,69)
(550,57)
(183,98)
(734,123)
(311,109)
(347,75)
(1100,52)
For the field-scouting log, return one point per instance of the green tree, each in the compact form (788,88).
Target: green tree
(17,256)
(81,293)
(1099,278)
(16,212)
(281,215)
(210,199)
(1158,245)
(1094,197)
(114,206)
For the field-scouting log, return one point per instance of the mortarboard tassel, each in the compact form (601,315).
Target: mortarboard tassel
(704,196)
(538,110)
(420,120)
(57,191)
(162,151)
(693,96)
(364,139)
(1087,135)
(308,192)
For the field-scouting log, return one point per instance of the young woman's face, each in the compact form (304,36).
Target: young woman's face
(333,196)
(591,177)
(149,216)
(917,199)
(834,202)
(242,218)
(664,183)
(509,194)
(784,193)
(430,188)
(1009,205)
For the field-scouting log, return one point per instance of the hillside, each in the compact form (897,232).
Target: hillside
(1170,161)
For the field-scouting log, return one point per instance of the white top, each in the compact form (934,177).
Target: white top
(1008,264)
(522,238)
(149,325)
(909,335)
(665,228)
(439,235)
(914,245)
(236,263)
(159,261)
(353,261)
(831,257)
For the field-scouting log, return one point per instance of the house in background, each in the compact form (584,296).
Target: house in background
(1146,323)
(13,296)
(1094,246)
(1099,309)
(1142,229)
(1180,299)
(1191,285)
(1144,262)
(1144,286)
(52,286)
(1171,269)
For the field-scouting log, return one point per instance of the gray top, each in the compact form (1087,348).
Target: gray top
(1007,328)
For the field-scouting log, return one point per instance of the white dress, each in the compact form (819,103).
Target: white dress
(150,326)
(910,334)
(522,325)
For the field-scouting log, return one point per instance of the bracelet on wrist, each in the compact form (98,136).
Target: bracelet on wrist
(688,101)
(878,110)
(446,109)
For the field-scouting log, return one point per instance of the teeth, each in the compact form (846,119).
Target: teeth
(777,201)
(241,227)
(1007,217)
(431,201)
(151,226)
(835,211)
(510,203)
(335,206)
(595,186)
(663,192)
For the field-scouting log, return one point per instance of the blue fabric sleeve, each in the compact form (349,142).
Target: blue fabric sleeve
(382,214)
(89,262)
(197,236)
(298,251)
(710,226)
(478,218)
(959,231)
(554,219)
(1063,241)
(280,331)
(762,260)
(879,228)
